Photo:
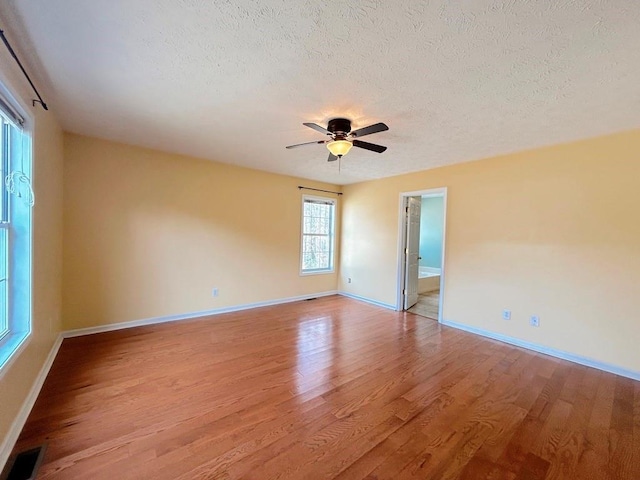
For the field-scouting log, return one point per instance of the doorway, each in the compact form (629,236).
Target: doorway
(421,235)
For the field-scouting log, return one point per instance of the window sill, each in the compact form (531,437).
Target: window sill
(10,349)
(316,272)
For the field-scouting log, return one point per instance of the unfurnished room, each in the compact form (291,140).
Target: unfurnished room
(319,240)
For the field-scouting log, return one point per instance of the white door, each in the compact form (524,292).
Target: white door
(412,252)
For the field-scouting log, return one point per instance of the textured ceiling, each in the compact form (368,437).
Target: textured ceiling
(233,81)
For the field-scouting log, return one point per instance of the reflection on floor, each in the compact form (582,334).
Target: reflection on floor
(428,304)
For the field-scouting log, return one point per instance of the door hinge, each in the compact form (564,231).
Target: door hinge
(404,292)
(406,251)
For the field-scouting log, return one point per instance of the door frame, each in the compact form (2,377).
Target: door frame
(402,244)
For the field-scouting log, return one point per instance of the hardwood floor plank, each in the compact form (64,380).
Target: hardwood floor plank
(534,468)
(399,441)
(479,468)
(621,461)
(449,450)
(331,388)
(594,459)
(581,393)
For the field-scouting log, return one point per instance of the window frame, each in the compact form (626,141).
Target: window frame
(332,235)
(17,221)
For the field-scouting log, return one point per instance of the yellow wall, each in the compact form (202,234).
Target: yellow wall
(149,234)
(553,232)
(16,380)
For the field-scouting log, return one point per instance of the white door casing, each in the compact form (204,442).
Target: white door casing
(412,252)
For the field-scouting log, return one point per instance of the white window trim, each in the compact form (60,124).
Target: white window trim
(324,271)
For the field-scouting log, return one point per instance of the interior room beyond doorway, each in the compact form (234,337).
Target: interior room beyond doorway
(430,256)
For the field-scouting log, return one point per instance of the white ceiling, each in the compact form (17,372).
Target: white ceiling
(233,81)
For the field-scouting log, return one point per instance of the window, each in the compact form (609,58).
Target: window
(16,198)
(318,229)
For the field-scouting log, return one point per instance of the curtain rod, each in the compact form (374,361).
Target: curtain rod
(13,54)
(300,187)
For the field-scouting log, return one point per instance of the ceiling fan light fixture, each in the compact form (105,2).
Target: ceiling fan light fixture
(339,147)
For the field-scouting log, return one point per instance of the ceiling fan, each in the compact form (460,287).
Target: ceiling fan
(342,138)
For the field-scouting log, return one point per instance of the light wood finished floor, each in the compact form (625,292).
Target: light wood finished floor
(428,305)
(329,388)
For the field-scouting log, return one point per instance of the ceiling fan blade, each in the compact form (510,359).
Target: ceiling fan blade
(317,127)
(369,146)
(306,143)
(332,157)
(361,132)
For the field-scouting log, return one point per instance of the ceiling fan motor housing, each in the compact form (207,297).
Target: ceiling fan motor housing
(340,126)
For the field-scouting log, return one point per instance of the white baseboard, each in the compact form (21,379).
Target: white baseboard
(18,423)
(623,372)
(368,300)
(188,316)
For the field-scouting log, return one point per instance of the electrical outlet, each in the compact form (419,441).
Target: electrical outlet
(506,314)
(349,280)
(214,292)
(534,321)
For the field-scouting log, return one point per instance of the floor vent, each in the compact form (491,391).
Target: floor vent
(309,299)
(25,465)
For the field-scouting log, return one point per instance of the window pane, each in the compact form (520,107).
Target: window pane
(3,170)
(323,260)
(3,282)
(308,261)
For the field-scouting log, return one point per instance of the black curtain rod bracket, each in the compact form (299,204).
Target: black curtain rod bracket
(15,57)
(300,187)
